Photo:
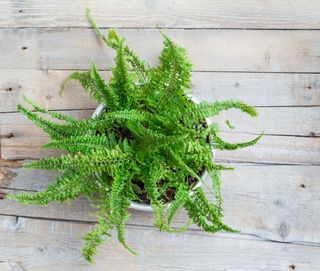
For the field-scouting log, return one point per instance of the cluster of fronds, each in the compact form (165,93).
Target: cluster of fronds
(150,132)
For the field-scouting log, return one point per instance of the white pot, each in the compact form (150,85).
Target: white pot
(147,207)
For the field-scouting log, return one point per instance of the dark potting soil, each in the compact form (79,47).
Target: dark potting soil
(170,192)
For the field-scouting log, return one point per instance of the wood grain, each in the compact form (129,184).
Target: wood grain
(257,89)
(267,201)
(273,150)
(55,245)
(209,50)
(266,53)
(166,13)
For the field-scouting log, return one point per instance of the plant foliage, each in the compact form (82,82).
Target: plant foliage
(150,133)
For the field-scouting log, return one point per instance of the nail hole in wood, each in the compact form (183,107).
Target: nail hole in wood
(24,47)
(7,135)
(313,134)
(302,185)
(9,89)
(292,266)
(20,10)
(2,196)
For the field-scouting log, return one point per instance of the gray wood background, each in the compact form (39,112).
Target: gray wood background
(266,53)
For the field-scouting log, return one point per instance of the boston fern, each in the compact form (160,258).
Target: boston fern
(151,144)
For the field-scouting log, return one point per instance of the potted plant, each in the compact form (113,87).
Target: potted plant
(147,145)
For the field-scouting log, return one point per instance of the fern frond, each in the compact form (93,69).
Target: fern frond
(119,205)
(114,41)
(92,241)
(82,127)
(96,237)
(181,197)
(95,27)
(83,143)
(204,214)
(215,178)
(138,66)
(173,74)
(220,144)
(94,161)
(68,186)
(122,217)
(181,164)
(54,130)
(121,80)
(206,109)
(88,84)
(109,96)
(56,115)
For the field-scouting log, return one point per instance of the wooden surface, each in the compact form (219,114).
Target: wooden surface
(266,53)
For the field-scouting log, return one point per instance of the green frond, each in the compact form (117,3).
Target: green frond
(207,109)
(151,178)
(170,155)
(220,144)
(172,77)
(113,40)
(215,178)
(95,27)
(109,96)
(121,79)
(93,162)
(54,130)
(180,199)
(138,65)
(96,237)
(88,84)
(205,215)
(56,115)
(84,144)
(83,127)
(119,204)
(92,241)
(122,217)
(66,187)
(141,132)
(218,167)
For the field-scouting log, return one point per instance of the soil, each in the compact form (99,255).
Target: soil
(168,196)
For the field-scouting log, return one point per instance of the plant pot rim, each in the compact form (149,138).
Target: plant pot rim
(147,207)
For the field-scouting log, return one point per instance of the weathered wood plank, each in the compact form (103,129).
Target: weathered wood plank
(42,87)
(53,245)
(268,201)
(258,89)
(165,13)
(291,121)
(273,149)
(28,141)
(22,140)
(209,50)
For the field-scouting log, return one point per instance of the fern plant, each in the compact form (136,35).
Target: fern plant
(151,144)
